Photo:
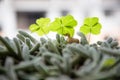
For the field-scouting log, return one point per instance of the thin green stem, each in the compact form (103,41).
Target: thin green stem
(61,26)
(89,37)
(44,33)
(62,30)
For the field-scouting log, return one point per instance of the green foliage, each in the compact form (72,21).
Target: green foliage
(41,27)
(25,58)
(64,25)
(91,25)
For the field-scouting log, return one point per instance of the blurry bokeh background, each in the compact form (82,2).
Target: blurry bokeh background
(19,14)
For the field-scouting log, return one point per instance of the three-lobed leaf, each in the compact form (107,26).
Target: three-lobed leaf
(91,25)
(64,25)
(41,27)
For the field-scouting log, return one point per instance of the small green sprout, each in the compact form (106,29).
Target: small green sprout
(64,25)
(92,26)
(41,27)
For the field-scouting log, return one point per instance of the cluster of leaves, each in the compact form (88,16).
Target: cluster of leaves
(65,26)
(91,25)
(25,58)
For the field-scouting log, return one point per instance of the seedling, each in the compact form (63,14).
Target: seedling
(41,27)
(91,26)
(65,26)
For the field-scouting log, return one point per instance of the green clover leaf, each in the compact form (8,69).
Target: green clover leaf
(41,27)
(64,25)
(91,25)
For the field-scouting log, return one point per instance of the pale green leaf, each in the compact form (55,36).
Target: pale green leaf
(34,27)
(96,29)
(40,32)
(43,22)
(64,25)
(68,21)
(41,27)
(91,21)
(65,30)
(55,25)
(91,25)
(85,29)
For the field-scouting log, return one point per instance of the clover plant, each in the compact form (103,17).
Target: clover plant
(65,26)
(91,25)
(25,58)
(41,27)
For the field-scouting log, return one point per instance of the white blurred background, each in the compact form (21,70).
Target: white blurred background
(19,14)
